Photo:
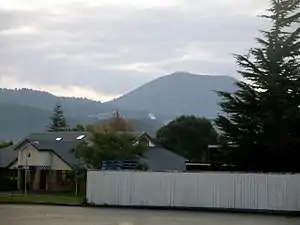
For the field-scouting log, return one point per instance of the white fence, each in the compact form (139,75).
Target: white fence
(205,190)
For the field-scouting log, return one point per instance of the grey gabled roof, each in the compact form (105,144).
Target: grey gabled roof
(51,136)
(46,142)
(63,148)
(161,159)
(7,156)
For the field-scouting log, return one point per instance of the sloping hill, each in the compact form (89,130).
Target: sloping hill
(177,94)
(25,111)
(74,107)
(148,107)
(17,120)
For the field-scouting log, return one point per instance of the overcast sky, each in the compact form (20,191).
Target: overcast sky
(104,48)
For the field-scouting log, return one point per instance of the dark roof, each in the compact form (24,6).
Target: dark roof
(7,156)
(160,159)
(46,142)
(61,148)
(157,158)
(51,136)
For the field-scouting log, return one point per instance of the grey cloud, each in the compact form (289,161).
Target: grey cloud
(92,46)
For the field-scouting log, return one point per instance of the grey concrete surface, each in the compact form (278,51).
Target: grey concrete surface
(57,215)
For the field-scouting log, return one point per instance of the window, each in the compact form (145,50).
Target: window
(80,137)
(59,138)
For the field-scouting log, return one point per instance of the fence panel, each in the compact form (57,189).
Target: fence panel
(151,190)
(205,190)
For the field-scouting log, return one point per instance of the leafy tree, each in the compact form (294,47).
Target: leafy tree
(79,127)
(4,144)
(58,120)
(188,136)
(119,123)
(262,117)
(108,144)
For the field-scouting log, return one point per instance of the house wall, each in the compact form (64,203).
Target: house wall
(202,190)
(151,144)
(37,158)
(40,158)
(146,141)
(58,164)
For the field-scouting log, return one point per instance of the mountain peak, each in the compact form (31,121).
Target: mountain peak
(181,73)
(186,77)
(178,93)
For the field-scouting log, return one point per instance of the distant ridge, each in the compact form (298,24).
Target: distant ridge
(148,107)
(178,93)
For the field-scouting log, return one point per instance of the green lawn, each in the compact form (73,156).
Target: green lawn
(31,198)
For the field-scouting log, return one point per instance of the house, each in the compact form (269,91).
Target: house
(159,159)
(206,164)
(46,159)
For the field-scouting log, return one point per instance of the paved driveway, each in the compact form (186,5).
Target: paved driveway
(53,215)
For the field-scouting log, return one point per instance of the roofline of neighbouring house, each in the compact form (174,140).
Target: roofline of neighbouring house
(11,163)
(51,150)
(147,135)
(26,140)
(37,148)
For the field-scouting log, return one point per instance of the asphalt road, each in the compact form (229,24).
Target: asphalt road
(54,215)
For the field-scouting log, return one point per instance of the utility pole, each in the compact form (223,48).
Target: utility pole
(26,164)
(25,179)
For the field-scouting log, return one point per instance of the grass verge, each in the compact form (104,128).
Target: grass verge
(35,198)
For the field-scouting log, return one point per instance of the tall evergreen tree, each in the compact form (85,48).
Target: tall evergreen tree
(58,120)
(262,119)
